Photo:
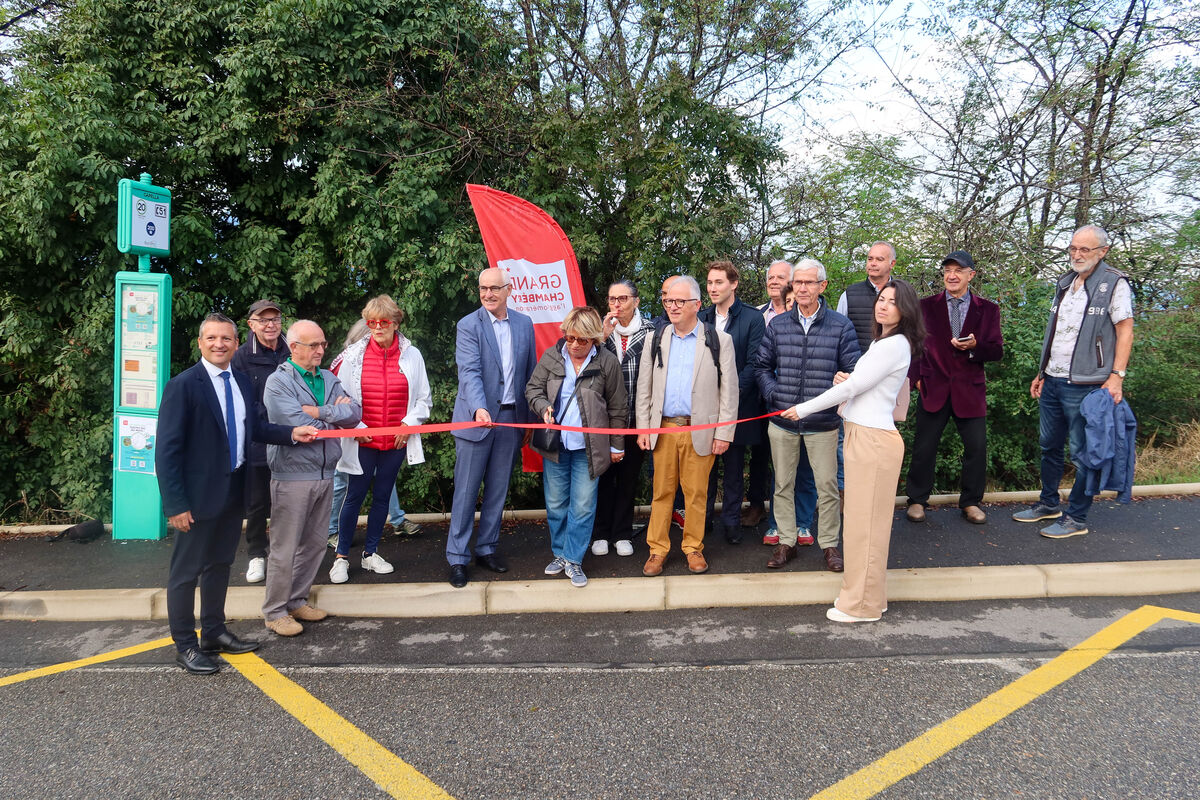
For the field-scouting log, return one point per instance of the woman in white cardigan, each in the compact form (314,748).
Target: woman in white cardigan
(873,449)
(397,393)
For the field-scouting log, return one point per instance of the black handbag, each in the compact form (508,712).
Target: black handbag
(548,440)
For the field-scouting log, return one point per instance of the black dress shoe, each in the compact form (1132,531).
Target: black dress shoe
(733,534)
(227,643)
(196,662)
(492,561)
(458,575)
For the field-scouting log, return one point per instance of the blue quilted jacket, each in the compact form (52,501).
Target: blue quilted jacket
(794,366)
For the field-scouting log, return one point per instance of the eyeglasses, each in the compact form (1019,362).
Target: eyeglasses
(496,289)
(806,284)
(313,345)
(1082,251)
(671,302)
(267,322)
(956,270)
(376,324)
(624,298)
(569,339)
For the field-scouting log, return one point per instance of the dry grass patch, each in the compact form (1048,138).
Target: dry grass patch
(1171,463)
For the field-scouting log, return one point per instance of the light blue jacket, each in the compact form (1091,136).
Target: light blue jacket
(480,374)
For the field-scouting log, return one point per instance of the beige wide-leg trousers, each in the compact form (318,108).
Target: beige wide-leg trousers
(872,458)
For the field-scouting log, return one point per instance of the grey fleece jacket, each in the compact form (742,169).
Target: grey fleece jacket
(284,394)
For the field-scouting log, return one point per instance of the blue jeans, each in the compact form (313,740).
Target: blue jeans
(570,504)
(806,493)
(340,481)
(379,471)
(1059,418)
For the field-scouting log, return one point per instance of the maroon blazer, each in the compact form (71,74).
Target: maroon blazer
(945,372)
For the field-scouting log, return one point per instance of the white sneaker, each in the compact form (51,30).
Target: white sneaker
(624,547)
(340,571)
(600,547)
(375,563)
(256,571)
(840,616)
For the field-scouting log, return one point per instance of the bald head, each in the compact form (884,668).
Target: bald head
(494,291)
(307,342)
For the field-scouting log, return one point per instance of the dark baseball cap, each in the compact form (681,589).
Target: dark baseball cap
(259,305)
(960,257)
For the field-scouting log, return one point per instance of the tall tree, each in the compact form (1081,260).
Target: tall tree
(652,124)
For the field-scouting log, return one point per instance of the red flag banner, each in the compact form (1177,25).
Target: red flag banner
(526,242)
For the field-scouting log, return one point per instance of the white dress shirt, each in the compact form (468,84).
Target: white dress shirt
(239,403)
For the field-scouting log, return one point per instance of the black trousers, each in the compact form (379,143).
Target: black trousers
(928,435)
(614,502)
(258,508)
(733,464)
(762,484)
(202,557)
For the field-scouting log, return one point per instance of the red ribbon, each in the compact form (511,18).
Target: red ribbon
(443,427)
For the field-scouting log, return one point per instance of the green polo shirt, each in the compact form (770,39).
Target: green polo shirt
(315,381)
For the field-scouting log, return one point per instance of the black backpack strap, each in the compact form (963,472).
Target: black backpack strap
(714,347)
(656,346)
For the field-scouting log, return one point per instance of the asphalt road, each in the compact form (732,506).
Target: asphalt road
(717,703)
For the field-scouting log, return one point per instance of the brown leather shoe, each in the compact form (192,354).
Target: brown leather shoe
(915,513)
(753,515)
(833,560)
(782,554)
(654,565)
(308,613)
(696,563)
(974,515)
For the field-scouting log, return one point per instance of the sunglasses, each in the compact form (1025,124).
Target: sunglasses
(577,339)
(376,324)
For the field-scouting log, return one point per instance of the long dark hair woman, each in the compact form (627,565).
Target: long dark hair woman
(873,449)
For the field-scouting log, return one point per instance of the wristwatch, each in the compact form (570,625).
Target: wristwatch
(1120,373)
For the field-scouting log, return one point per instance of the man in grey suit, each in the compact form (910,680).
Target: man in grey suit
(495,355)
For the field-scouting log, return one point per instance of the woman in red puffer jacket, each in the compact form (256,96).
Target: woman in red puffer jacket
(386,374)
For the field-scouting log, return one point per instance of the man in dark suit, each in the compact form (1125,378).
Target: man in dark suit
(745,327)
(495,354)
(963,334)
(207,416)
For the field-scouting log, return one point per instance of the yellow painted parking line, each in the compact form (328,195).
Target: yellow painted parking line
(936,742)
(66,666)
(391,773)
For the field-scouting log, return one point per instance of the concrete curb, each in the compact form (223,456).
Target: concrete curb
(1104,579)
(534,514)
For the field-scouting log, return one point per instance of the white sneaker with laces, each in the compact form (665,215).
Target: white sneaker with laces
(600,547)
(375,563)
(340,571)
(256,570)
(624,547)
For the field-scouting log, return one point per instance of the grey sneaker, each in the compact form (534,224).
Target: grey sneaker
(1065,528)
(408,528)
(556,566)
(575,573)
(1037,513)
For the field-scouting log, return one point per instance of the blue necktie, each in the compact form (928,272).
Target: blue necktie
(230,423)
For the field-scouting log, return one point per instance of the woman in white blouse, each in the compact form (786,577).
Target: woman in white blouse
(873,449)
